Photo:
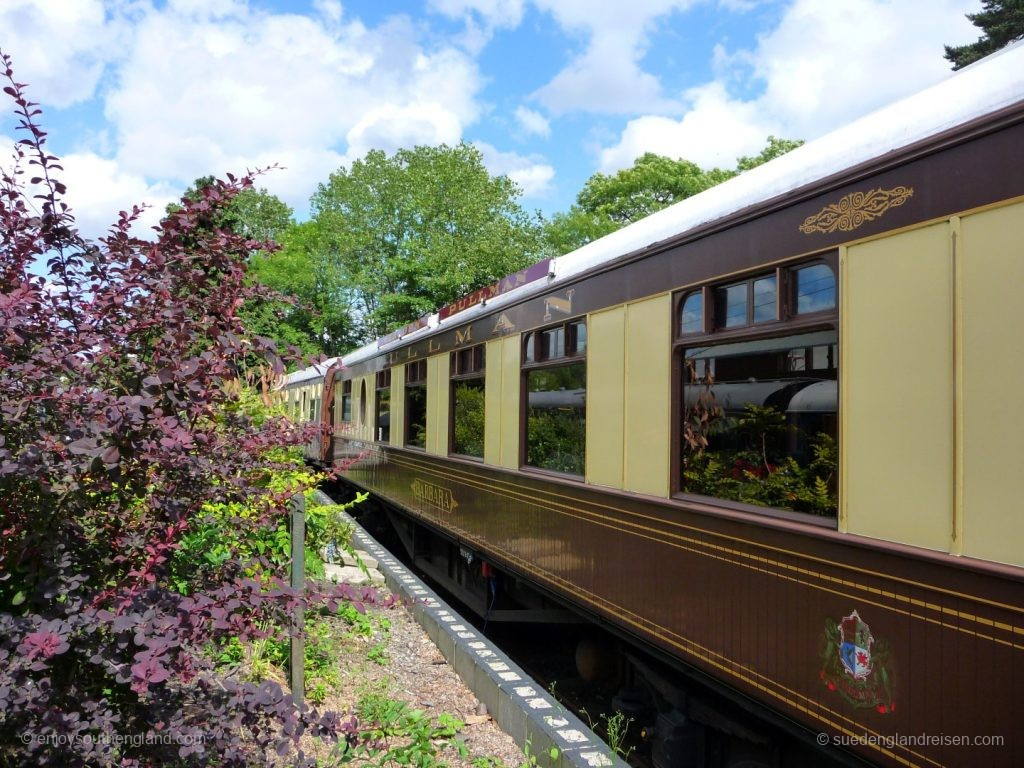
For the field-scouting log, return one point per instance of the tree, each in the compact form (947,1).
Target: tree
(414,231)
(1001,21)
(121,423)
(319,317)
(776,147)
(653,182)
(306,309)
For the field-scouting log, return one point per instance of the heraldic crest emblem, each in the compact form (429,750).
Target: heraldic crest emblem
(855,664)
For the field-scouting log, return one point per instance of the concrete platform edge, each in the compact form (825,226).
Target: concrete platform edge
(519,706)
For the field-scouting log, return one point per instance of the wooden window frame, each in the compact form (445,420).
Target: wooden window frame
(382,381)
(346,392)
(463,369)
(570,339)
(788,322)
(415,379)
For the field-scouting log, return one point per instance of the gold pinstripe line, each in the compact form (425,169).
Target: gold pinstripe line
(727,665)
(583,517)
(910,582)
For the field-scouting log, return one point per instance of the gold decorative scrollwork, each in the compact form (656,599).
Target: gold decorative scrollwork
(855,209)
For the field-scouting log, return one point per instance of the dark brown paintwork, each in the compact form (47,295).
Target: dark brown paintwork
(745,596)
(962,176)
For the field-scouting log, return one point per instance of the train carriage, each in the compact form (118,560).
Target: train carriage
(771,431)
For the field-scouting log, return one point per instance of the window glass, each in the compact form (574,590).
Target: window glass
(528,354)
(468,410)
(762,428)
(416,416)
(346,401)
(556,418)
(383,409)
(553,343)
(692,316)
(815,289)
(467,403)
(416,404)
(579,333)
(731,305)
(765,296)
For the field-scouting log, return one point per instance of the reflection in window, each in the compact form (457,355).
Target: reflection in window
(578,340)
(731,305)
(467,402)
(815,289)
(692,315)
(346,400)
(553,343)
(382,406)
(764,300)
(556,418)
(760,422)
(416,404)
(468,409)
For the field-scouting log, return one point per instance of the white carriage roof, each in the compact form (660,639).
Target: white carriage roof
(986,86)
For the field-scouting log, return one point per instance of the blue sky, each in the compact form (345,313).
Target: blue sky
(142,96)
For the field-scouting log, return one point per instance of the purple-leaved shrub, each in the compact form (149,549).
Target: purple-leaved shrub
(118,423)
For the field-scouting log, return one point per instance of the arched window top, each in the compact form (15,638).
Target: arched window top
(691,314)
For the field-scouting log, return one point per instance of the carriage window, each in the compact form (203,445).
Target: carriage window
(556,389)
(691,318)
(416,404)
(362,402)
(467,402)
(760,422)
(757,407)
(731,306)
(814,288)
(382,406)
(346,400)
(765,300)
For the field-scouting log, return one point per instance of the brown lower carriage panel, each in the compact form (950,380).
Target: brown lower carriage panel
(904,657)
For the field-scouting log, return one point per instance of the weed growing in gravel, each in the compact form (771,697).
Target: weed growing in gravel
(397,734)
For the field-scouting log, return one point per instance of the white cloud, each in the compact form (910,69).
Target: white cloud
(391,127)
(532,122)
(532,174)
(481,18)
(199,96)
(824,65)
(606,77)
(494,13)
(714,132)
(98,188)
(59,47)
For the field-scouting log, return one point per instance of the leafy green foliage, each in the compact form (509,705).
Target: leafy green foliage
(123,431)
(556,433)
(319,316)
(468,439)
(1001,23)
(652,183)
(410,232)
(776,147)
(763,474)
(397,734)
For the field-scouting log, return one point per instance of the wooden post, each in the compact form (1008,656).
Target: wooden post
(298,653)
